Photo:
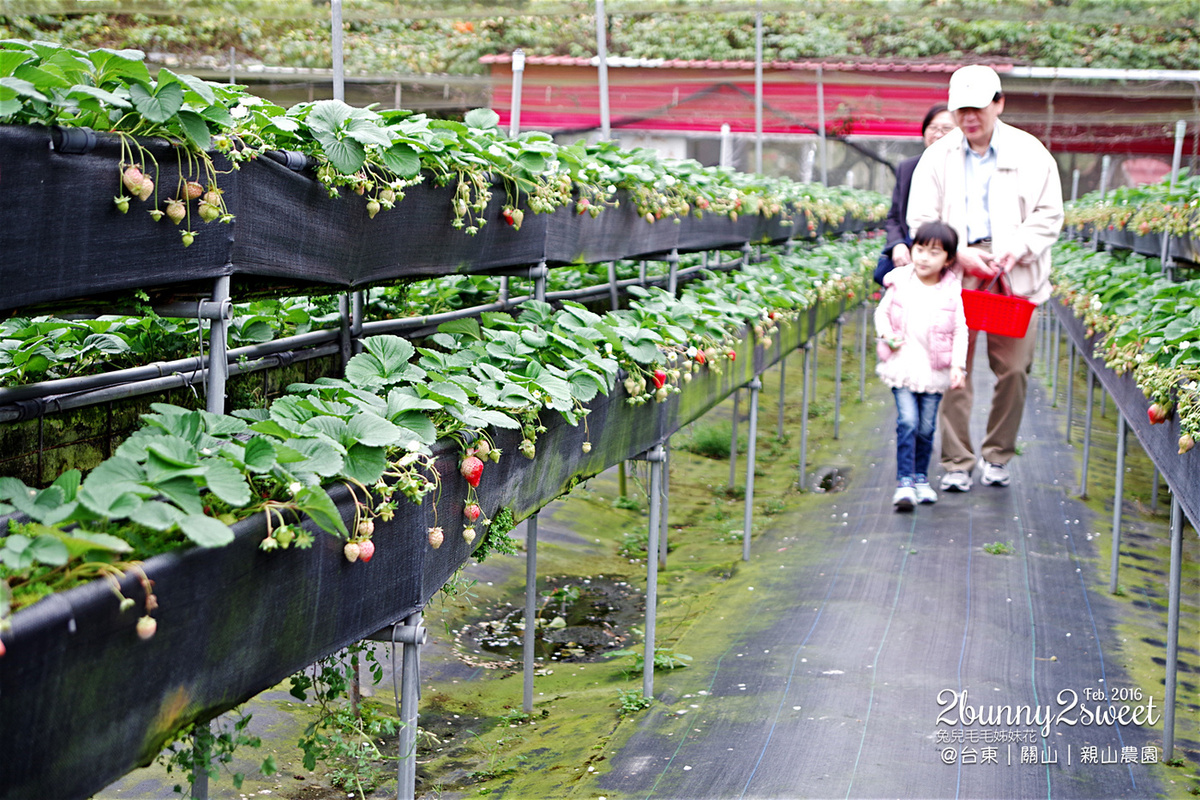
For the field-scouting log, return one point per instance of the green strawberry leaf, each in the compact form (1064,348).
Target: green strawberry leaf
(157,105)
(205,531)
(195,129)
(314,502)
(365,464)
(226,482)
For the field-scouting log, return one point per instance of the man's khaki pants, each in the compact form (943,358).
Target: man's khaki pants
(1010,360)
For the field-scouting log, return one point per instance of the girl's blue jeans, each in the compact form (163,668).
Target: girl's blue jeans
(916,421)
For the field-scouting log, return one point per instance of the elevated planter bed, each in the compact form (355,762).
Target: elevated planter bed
(83,700)
(65,240)
(1181,472)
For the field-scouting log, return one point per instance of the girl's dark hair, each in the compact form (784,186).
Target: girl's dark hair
(940,233)
(930,114)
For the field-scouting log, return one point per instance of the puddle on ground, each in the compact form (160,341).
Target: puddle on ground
(578,619)
(831,479)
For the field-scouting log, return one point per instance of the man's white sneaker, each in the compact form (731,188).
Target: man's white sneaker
(925,493)
(994,474)
(956,481)
(904,499)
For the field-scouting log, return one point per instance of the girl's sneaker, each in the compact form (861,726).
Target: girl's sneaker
(905,497)
(924,492)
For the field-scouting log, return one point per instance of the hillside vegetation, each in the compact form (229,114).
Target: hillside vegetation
(449,37)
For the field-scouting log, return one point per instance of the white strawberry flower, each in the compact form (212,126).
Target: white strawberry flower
(294,488)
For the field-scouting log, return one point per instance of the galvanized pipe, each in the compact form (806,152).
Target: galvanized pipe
(837,379)
(357,301)
(412,635)
(614,291)
(347,337)
(672,272)
(1070,389)
(1056,360)
(748,519)
(655,457)
(1174,582)
(602,67)
(518,75)
(1154,491)
(664,528)
(782,394)
(733,442)
(1118,500)
(804,392)
(1087,430)
(527,641)
(218,356)
(862,353)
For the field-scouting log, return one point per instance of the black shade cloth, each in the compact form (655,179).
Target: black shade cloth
(1161,442)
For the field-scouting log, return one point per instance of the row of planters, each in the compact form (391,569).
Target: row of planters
(215,181)
(1138,218)
(1140,331)
(378,486)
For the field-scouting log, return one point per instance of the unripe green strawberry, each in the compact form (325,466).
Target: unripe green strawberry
(146,189)
(213,196)
(193,190)
(132,178)
(208,212)
(587,447)
(372,208)
(188,237)
(483,447)
(366,527)
(436,536)
(146,627)
(1186,443)
(122,204)
(527,449)
(387,196)
(176,211)
(469,534)
(351,551)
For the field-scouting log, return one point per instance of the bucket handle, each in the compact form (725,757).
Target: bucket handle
(1005,289)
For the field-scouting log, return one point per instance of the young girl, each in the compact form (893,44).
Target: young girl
(922,346)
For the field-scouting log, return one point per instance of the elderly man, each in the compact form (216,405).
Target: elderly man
(999,188)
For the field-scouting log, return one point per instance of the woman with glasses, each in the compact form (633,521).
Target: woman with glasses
(937,123)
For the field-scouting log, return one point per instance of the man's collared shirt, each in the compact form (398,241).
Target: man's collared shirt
(979,170)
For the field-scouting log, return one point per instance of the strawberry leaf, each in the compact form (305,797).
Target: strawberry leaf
(402,159)
(157,515)
(195,129)
(260,454)
(205,531)
(314,502)
(364,464)
(156,105)
(226,482)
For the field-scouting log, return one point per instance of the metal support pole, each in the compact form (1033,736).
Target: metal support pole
(672,271)
(758,89)
(357,301)
(344,326)
(1118,500)
(339,69)
(1070,389)
(1154,491)
(733,442)
(862,355)
(782,394)
(1174,582)
(1055,359)
(804,392)
(232,65)
(199,772)
(527,641)
(655,457)
(1167,262)
(1087,430)
(821,127)
(837,379)
(539,274)
(664,528)
(642,272)
(503,290)
(614,293)
(726,153)
(602,56)
(1105,165)
(218,348)
(1103,402)
(412,635)
(518,75)
(1074,185)
(755,386)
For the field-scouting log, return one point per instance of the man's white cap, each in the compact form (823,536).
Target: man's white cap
(973,86)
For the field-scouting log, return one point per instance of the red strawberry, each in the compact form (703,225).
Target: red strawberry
(472,511)
(352,551)
(700,359)
(146,626)
(471,469)
(508,216)
(366,549)
(732,355)
(1186,442)
(582,206)
(660,377)
(3,649)
(1157,413)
